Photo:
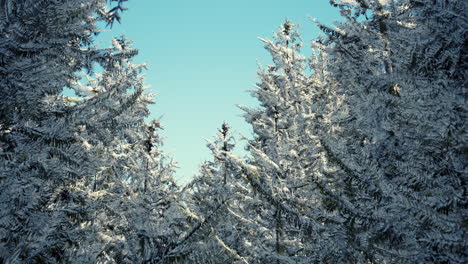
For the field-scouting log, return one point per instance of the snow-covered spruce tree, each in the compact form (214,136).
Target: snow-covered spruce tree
(277,148)
(43,45)
(213,203)
(395,128)
(133,190)
(286,152)
(70,166)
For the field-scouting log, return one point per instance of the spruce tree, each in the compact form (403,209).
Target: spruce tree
(394,124)
(213,204)
(278,149)
(70,167)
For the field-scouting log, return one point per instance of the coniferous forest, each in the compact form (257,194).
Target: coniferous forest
(358,153)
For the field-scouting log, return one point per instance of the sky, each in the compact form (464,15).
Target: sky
(202,57)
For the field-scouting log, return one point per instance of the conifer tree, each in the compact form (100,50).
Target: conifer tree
(391,118)
(213,204)
(70,167)
(384,167)
(278,146)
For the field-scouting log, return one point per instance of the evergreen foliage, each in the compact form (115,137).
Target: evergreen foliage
(214,203)
(384,174)
(82,179)
(398,112)
(362,160)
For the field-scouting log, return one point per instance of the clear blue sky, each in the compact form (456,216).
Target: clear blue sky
(202,57)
